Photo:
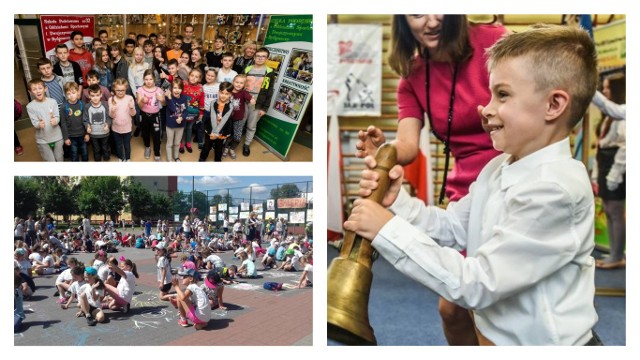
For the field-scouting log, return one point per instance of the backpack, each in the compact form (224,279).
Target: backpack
(273,286)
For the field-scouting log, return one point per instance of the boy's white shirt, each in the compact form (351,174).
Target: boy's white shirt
(528,230)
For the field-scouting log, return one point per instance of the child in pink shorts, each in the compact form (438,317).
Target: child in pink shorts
(193,303)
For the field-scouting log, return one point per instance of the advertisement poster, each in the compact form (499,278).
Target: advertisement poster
(293,203)
(57,29)
(611,44)
(289,39)
(355,69)
(296,217)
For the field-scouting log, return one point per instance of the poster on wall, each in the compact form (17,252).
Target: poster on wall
(221,216)
(244,206)
(355,69)
(244,215)
(611,44)
(270,215)
(233,218)
(309,214)
(257,207)
(222,207)
(233,209)
(271,204)
(296,217)
(212,210)
(284,216)
(212,217)
(57,29)
(289,39)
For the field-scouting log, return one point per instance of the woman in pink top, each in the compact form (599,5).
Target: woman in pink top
(441,61)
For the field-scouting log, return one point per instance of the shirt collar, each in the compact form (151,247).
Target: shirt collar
(516,172)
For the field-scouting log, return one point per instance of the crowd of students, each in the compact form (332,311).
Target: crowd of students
(176,93)
(194,287)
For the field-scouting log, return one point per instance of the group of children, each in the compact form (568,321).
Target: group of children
(162,92)
(107,283)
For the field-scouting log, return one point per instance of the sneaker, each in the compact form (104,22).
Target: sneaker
(120,160)
(147,152)
(126,308)
(225,152)
(91,321)
(189,148)
(232,154)
(19,150)
(156,158)
(183,322)
(62,300)
(245,150)
(178,160)
(181,149)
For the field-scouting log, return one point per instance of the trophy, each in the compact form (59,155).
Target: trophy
(349,276)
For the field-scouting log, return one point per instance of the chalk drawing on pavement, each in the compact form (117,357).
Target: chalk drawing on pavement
(147,299)
(143,324)
(245,287)
(154,314)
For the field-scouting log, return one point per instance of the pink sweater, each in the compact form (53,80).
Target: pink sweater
(121,113)
(470,145)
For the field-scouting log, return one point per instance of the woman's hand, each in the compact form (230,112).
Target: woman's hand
(369,141)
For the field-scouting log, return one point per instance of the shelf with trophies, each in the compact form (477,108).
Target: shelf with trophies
(236,28)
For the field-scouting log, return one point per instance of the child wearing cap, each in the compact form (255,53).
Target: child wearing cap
(193,303)
(213,286)
(90,298)
(164,272)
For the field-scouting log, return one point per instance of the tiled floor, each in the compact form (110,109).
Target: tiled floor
(258,151)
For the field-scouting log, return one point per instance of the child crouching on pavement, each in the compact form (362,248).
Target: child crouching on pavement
(527,222)
(120,297)
(90,298)
(214,287)
(193,303)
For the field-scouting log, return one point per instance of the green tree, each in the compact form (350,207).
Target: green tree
(138,198)
(160,206)
(181,203)
(25,192)
(101,195)
(285,191)
(57,196)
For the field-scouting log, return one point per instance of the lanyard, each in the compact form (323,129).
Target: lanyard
(446,141)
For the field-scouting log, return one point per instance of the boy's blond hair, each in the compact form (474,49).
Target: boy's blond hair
(560,57)
(72,85)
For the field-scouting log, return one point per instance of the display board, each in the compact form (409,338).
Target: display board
(289,39)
